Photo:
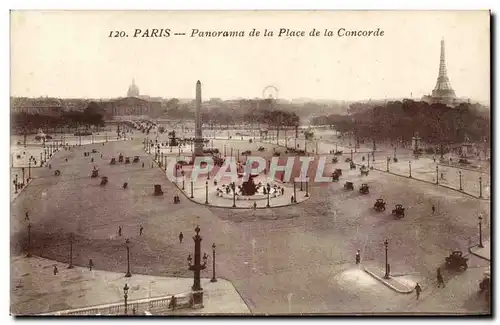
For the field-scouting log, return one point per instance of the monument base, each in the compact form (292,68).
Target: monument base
(197,297)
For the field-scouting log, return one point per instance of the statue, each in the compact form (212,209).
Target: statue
(248,187)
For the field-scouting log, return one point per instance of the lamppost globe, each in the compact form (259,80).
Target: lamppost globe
(125,289)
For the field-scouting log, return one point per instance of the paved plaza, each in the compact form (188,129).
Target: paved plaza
(293,259)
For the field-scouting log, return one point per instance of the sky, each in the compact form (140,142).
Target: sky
(69,54)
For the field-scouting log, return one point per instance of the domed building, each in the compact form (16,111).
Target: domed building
(132,105)
(133,90)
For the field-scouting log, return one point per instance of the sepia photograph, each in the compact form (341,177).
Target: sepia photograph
(250,163)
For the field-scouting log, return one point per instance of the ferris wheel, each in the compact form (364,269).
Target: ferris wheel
(270,92)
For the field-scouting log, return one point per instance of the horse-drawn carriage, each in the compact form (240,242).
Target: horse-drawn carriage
(338,153)
(127,160)
(364,171)
(335,160)
(352,165)
(95,173)
(104,180)
(57,172)
(349,186)
(364,189)
(120,158)
(136,159)
(113,161)
(379,205)
(399,211)
(261,149)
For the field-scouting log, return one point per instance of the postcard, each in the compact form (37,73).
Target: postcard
(250,163)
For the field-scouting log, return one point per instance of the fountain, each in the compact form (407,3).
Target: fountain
(248,187)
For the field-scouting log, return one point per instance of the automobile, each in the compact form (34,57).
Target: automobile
(398,211)
(379,205)
(364,189)
(104,180)
(456,261)
(136,159)
(349,186)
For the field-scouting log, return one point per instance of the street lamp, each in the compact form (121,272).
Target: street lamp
(480,233)
(192,188)
(387,169)
(437,174)
(233,187)
(125,296)
(41,159)
(213,264)
(29,240)
(128,275)
(307,188)
(460,179)
(268,190)
(206,192)
(197,267)
(15,185)
(22,170)
(480,187)
(71,240)
(294,190)
(183,179)
(351,154)
(386,244)
(409,164)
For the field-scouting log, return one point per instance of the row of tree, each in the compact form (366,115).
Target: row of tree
(91,116)
(400,120)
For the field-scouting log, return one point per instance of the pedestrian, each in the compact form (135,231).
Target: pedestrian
(143,164)
(91,265)
(255,205)
(141,230)
(440,278)
(418,290)
(282,191)
(181,236)
(56,271)
(358,257)
(442,176)
(119,231)
(433,209)
(27,218)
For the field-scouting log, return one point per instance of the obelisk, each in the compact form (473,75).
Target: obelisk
(198,137)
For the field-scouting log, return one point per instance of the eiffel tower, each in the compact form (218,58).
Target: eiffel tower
(443,86)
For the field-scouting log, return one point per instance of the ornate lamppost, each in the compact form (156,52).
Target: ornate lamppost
(22,170)
(437,174)
(41,159)
(387,169)
(233,187)
(351,154)
(192,196)
(409,165)
(197,267)
(71,240)
(29,240)
(268,187)
(213,264)
(386,244)
(307,188)
(125,296)
(206,192)
(128,275)
(183,179)
(480,232)
(460,179)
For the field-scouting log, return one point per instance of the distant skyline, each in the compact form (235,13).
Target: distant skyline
(69,54)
